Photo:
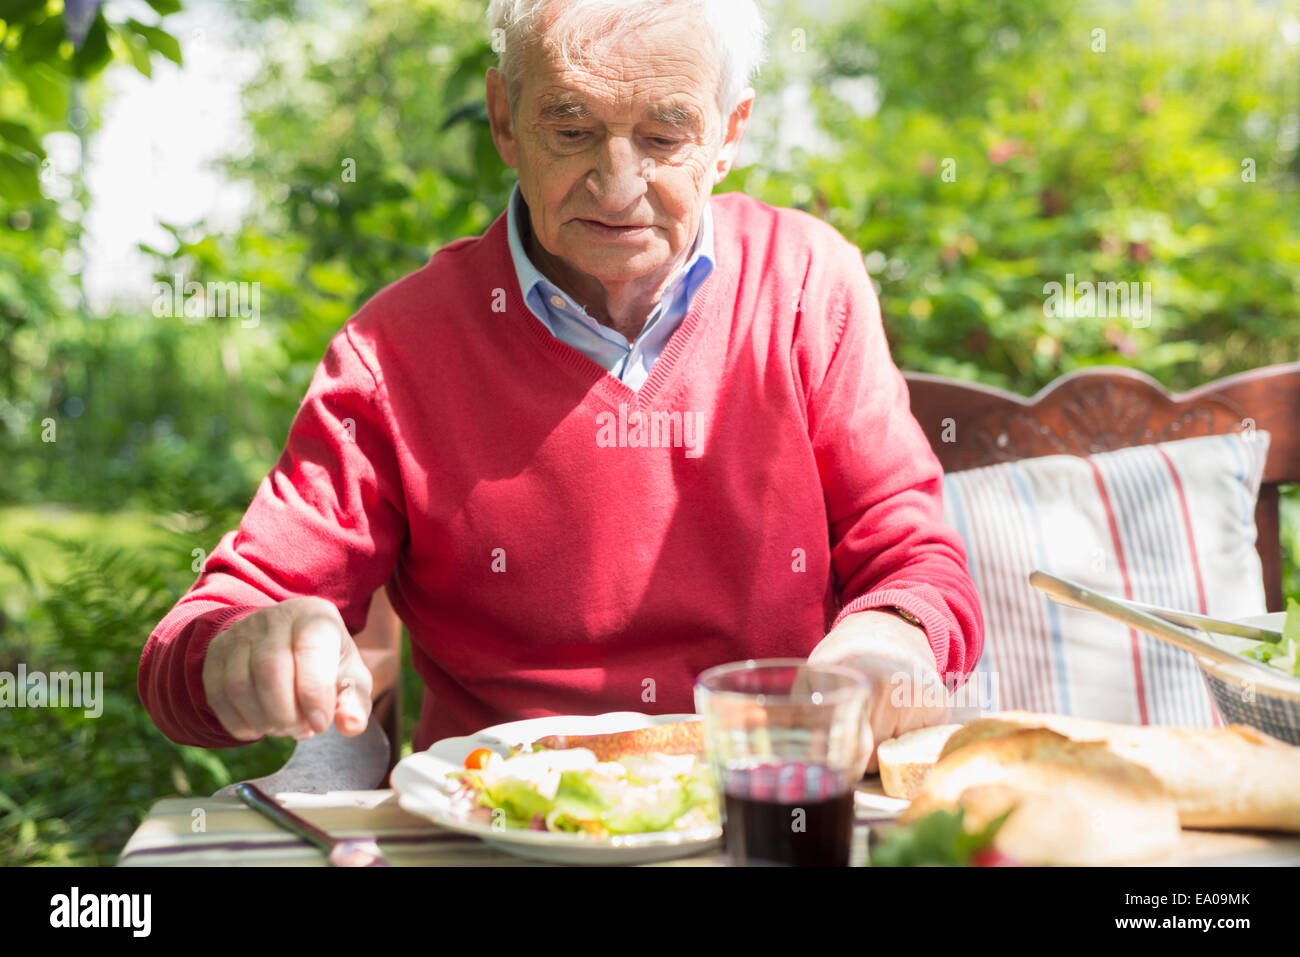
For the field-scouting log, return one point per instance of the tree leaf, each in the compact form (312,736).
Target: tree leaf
(21,135)
(95,52)
(19,180)
(15,11)
(137,48)
(160,40)
(40,42)
(474,112)
(45,90)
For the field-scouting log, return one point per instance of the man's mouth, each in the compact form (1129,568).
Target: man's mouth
(607,231)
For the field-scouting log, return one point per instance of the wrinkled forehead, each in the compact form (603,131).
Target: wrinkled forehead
(666,71)
(561,104)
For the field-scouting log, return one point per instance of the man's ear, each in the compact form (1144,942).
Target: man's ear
(735,133)
(498,106)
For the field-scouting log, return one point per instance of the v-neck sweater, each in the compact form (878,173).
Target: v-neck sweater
(559,543)
(565,319)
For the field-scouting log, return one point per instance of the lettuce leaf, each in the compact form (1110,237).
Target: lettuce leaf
(693,790)
(518,799)
(584,803)
(939,838)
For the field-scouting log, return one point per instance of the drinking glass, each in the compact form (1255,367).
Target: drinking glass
(784,739)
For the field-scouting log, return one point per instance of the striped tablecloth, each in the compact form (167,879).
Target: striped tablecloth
(223,831)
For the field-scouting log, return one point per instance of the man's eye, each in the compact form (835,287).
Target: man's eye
(572,134)
(660,141)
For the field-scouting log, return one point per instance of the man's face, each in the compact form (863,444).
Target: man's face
(634,139)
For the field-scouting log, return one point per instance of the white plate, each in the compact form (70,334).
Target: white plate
(421,784)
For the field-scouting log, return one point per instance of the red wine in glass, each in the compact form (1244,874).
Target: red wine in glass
(792,813)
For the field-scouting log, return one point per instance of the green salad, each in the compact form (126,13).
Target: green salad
(570,790)
(1283,654)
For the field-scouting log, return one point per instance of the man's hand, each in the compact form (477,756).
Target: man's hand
(287,670)
(906,690)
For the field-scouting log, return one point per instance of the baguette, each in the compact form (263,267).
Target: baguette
(1008,722)
(679,737)
(1070,802)
(1221,778)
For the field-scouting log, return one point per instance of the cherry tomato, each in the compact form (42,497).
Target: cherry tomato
(476,759)
(992,857)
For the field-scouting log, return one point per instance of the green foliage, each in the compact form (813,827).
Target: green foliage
(1123,165)
(361,174)
(47,87)
(376,153)
(145,411)
(39,65)
(73,788)
(1289,520)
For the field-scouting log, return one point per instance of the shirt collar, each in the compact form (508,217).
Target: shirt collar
(529,275)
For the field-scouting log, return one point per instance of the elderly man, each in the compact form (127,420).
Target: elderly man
(629,432)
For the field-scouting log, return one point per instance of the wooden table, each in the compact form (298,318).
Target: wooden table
(222,832)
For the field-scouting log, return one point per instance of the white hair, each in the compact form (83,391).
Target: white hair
(737,28)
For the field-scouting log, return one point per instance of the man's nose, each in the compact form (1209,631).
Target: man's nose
(621,174)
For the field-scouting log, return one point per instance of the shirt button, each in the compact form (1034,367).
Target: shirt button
(557,301)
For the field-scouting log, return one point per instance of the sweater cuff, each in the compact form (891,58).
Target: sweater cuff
(206,627)
(936,623)
(171,678)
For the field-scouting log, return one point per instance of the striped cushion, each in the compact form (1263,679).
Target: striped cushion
(1169,524)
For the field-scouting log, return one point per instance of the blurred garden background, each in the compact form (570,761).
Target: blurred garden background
(1136,141)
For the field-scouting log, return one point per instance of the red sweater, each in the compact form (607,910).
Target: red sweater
(558,543)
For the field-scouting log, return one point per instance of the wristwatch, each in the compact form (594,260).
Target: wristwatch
(904,614)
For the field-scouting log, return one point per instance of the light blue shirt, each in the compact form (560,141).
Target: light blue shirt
(570,323)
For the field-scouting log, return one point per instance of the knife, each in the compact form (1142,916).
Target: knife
(352,852)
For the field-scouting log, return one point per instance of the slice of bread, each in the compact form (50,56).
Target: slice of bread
(1070,802)
(904,760)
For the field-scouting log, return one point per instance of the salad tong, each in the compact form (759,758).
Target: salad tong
(1159,622)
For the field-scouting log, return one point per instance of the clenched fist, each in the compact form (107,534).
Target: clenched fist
(287,670)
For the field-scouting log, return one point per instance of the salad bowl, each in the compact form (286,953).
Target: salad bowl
(1267,699)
